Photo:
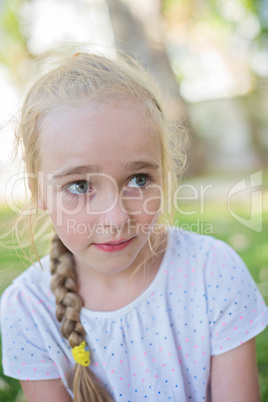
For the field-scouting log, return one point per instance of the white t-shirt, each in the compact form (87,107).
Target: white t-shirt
(202,302)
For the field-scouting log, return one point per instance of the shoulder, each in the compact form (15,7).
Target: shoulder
(32,284)
(204,248)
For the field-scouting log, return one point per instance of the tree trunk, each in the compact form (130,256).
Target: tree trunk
(138,30)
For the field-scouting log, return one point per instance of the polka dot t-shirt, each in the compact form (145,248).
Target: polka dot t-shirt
(201,303)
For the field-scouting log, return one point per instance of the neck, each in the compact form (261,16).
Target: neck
(101,291)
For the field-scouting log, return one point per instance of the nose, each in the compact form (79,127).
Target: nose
(114,215)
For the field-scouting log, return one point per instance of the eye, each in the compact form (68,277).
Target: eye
(80,187)
(140,180)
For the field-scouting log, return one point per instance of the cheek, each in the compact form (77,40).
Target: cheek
(73,224)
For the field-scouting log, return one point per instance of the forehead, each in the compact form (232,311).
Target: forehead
(101,134)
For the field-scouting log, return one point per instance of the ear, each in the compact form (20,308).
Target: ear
(41,204)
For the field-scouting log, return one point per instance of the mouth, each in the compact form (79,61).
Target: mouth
(112,246)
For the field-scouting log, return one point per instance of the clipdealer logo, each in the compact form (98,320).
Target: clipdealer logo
(252,190)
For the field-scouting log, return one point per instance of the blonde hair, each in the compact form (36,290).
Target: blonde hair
(77,79)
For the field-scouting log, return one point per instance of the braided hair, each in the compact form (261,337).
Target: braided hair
(69,304)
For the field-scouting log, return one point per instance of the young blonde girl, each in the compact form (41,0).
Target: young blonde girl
(125,308)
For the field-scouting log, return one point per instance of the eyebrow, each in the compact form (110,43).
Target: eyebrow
(75,171)
(81,170)
(138,165)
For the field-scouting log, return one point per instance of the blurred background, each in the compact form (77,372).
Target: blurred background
(211,60)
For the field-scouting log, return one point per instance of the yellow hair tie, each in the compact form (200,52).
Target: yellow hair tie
(81,354)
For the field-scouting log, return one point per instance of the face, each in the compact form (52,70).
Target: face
(100,180)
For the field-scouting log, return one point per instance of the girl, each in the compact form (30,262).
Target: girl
(125,308)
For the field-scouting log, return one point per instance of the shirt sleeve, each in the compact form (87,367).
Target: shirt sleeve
(25,353)
(236,309)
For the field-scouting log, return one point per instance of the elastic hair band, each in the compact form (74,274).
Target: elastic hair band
(81,354)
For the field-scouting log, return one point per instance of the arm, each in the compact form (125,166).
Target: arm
(234,375)
(45,390)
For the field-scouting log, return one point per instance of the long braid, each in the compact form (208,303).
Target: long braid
(69,303)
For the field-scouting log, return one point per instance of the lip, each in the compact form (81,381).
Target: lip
(113,246)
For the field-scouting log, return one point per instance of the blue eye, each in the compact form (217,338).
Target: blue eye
(140,180)
(81,187)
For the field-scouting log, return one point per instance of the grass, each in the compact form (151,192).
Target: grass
(215,220)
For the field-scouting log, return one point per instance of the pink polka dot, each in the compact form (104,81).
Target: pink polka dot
(235,328)
(195,346)
(143,380)
(134,375)
(96,364)
(121,378)
(18,372)
(112,371)
(163,365)
(240,317)
(223,323)
(47,373)
(156,376)
(23,364)
(28,379)
(228,339)
(145,353)
(160,349)
(173,370)
(34,369)
(165,272)
(121,361)
(195,362)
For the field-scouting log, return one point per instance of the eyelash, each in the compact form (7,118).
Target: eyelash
(68,193)
(147,176)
